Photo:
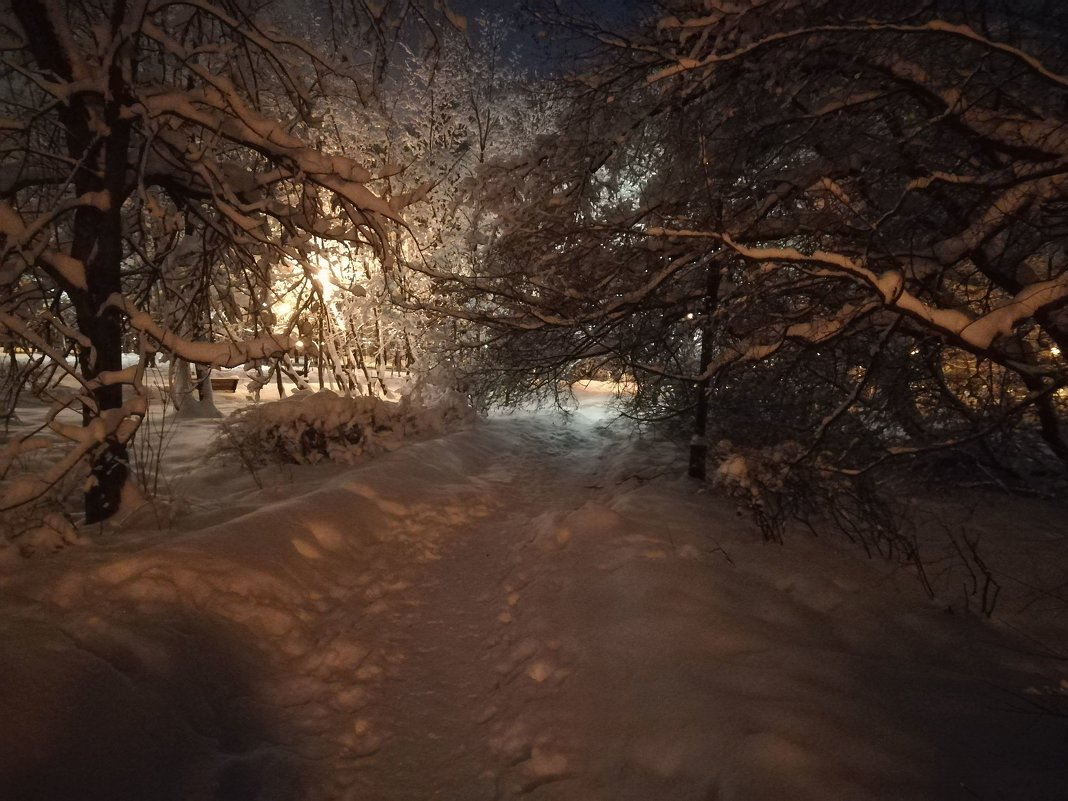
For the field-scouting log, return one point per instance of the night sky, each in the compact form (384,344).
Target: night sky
(613,14)
(606,9)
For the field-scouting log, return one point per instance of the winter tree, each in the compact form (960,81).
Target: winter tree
(159,158)
(840,226)
(482,108)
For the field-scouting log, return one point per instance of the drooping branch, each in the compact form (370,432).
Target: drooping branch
(212,354)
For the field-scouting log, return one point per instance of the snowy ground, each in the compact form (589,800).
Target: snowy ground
(532,607)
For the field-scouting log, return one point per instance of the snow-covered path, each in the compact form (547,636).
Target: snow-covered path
(480,665)
(445,702)
(523,610)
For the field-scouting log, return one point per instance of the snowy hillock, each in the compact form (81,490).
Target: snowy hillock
(308,428)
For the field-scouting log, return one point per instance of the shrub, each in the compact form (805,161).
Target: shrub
(307,428)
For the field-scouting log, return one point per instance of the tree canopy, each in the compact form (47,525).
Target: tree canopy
(841,224)
(159,157)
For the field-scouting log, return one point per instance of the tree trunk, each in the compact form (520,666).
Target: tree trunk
(205,391)
(101,161)
(699,441)
(98,243)
(319,350)
(109,465)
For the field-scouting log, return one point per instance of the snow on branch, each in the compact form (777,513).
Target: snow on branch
(214,354)
(976,332)
(21,329)
(1001,212)
(687,64)
(227,114)
(118,424)
(18,235)
(814,331)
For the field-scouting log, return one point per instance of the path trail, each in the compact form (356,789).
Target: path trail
(457,702)
(529,609)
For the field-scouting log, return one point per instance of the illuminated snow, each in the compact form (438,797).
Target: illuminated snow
(536,606)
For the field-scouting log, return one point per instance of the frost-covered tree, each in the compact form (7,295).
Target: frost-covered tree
(841,224)
(158,160)
(909,195)
(459,117)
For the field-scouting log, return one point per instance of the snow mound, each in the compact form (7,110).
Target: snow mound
(52,532)
(323,426)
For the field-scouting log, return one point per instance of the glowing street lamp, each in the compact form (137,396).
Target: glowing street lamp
(326,284)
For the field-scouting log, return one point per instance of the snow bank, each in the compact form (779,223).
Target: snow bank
(323,426)
(536,607)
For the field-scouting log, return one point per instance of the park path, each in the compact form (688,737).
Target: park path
(534,608)
(477,703)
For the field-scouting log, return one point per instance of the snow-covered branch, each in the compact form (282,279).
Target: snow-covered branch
(978,331)
(683,64)
(214,354)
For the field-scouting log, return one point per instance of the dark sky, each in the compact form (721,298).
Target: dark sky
(613,14)
(606,9)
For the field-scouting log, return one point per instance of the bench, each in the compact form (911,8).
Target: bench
(224,384)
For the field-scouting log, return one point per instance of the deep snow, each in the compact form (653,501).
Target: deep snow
(533,607)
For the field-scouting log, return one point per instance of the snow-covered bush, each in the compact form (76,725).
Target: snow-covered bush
(44,525)
(762,480)
(34,530)
(324,426)
(53,532)
(778,490)
(778,487)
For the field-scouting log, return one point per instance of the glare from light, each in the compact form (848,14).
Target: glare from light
(326,283)
(1055,351)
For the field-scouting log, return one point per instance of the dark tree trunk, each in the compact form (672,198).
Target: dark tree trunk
(203,382)
(96,235)
(699,441)
(98,243)
(109,465)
